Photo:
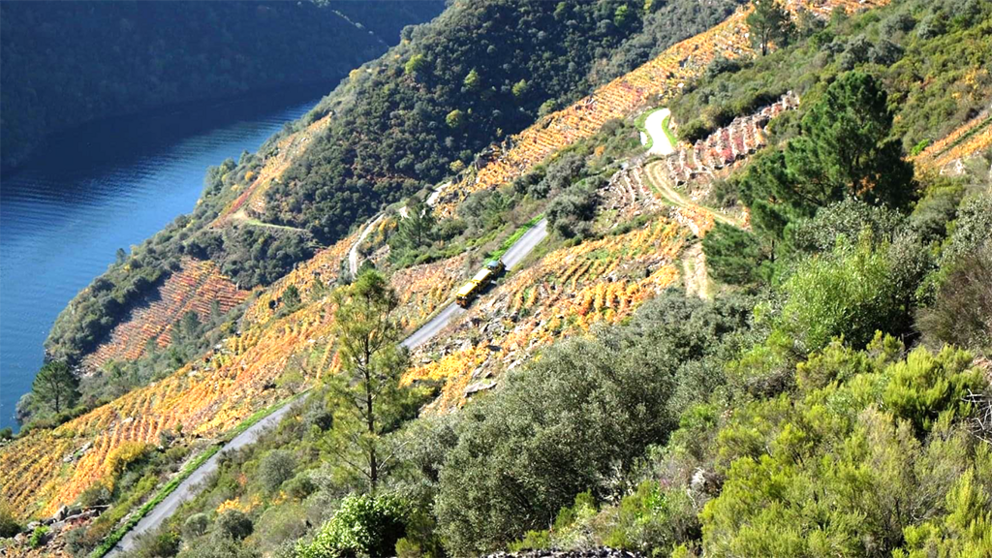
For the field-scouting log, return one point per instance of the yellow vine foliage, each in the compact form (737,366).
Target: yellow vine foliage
(566,292)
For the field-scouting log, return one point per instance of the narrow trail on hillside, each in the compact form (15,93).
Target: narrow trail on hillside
(697,280)
(663,187)
(353,255)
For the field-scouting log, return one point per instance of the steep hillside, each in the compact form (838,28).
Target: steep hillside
(69,63)
(599,404)
(660,243)
(381,135)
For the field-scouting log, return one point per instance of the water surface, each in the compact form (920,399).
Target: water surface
(102,187)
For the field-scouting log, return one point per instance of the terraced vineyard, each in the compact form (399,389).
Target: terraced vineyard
(566,292)
(198,287)
(727,145)
(972,137)
(423,289)
(49,468)
(664,76)
(324,268)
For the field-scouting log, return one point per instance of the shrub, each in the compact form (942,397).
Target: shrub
(925,386)
(962,310)
(275,468)
(300,486)
(38,536)
(126,454)
(234,524)
(195,525)
(363,524)
(95,495)
(849,293)
(8,523)
(570,214)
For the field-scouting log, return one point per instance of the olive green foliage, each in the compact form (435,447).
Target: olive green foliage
(8,523)
(275,469)
(736,256)
(848,293)
(841,470)
(38,536)
(769,23)
(842,151)
(962,310)
(366,394)
(570,213)
(196,525)
(927,387)
(234,524)
(577,419)
(363,525)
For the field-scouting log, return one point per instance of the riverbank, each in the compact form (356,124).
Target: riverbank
(106,186)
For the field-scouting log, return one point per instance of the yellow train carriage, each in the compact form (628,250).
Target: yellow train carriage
(483,277)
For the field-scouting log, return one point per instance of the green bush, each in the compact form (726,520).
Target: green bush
(849,294)
(234,524)
(926,386)
(38,536)
(363,525)
(195,525)
(8,523)
(274,469)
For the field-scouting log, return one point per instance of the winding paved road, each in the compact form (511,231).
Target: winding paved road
(660,144)
(189,487)
(353,252)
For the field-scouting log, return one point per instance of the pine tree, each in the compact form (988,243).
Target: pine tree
(367,397)
(769,23)
(56,386)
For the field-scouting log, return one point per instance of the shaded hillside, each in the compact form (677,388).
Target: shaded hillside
(66,63)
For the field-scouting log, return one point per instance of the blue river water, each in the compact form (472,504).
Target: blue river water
(106,186)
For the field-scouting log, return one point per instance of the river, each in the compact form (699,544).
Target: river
(105,186)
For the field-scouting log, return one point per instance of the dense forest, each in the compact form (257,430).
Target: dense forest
(484,71)
(66,63)
(462,78)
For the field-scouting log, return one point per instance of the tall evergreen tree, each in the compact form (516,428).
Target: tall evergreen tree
(367,395)
(56,386)
(769,23)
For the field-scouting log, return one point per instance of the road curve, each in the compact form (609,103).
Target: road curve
(660,144)
(189,487)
